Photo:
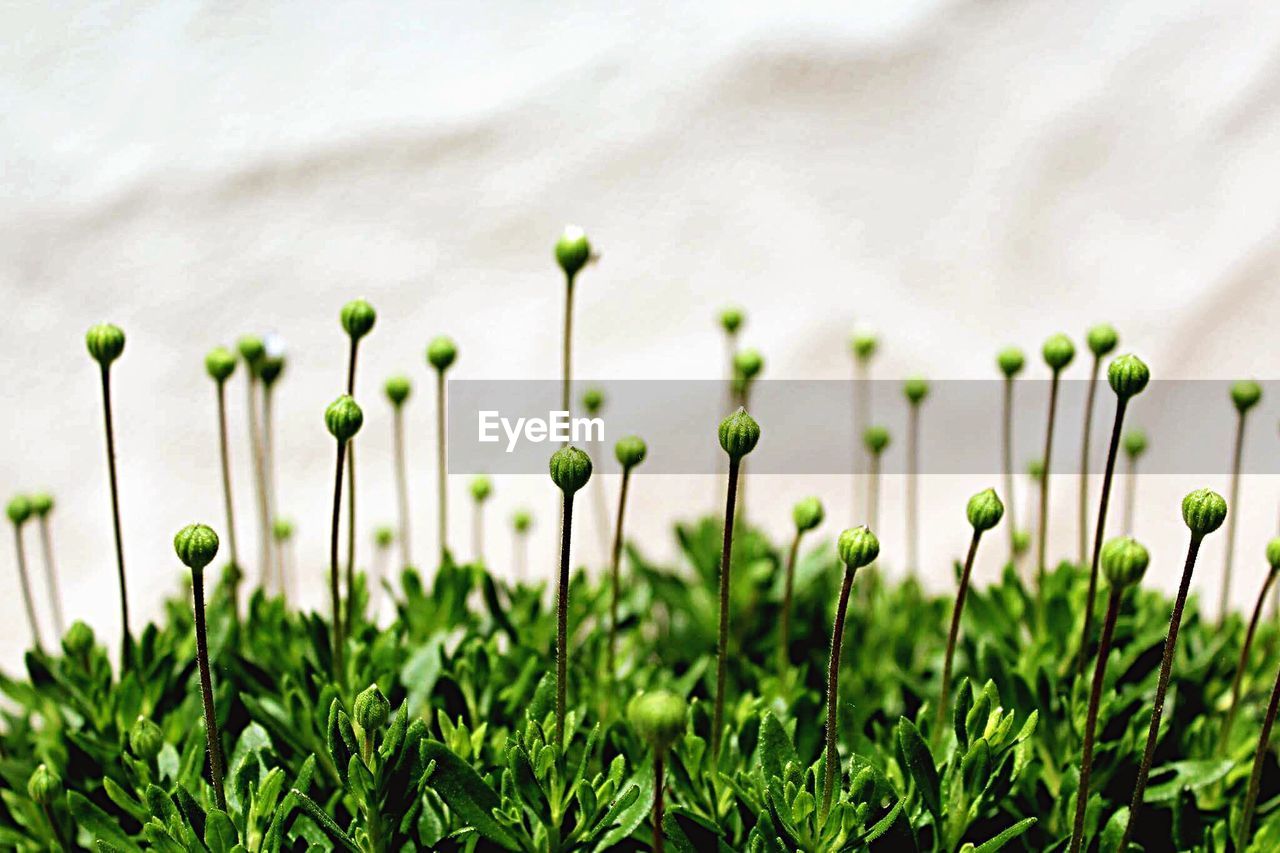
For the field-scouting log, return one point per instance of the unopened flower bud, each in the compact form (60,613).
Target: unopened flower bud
(731,319)
(630,451)
(105,343)
(864,345)
(570,469)
(397,390)
(573,251)
(282,529)
(875,439)
(1124,561)
(252,349)
(739,434)
(1058,351)
(984,510)
(1245,394)
(44,786)
(145,739)
(78,641)
(522,520)
(19,510)
(858,547)
(372,710)
(1010,360)
(220,363)
(1128,375)
(915,390)
(807,514)
(357,318)
(343,418)
(384,536)
(593,401)
(196,545)
(441,352)
(481,488)
(658,716)
(41,504)
(1273,553)
(748,364)
(1204,510)
(270,368)
(1102,339)
(1135,442)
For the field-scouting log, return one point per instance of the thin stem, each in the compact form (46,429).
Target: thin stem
(1131,493)
(1162,687)
(1044,480)
(206,689)
(601,514)
(562,618)
(1087,632)
(521,548)
(26,588)
(225,456)
(442,507)
(1229,722)
(614,563)
(334,597)
(402,485)
(913,496)
(1224,599)
(1091,720)
(51,575)
(269,475)
(260,481)
(565,398)
(1007,446)
(659,783)
(722,634)
(861,417)
(351,500)
(956,612)
(477,531)
(1259,756)
(1083,526)
(127,636)
(873,493)
(833,694)
(788,591)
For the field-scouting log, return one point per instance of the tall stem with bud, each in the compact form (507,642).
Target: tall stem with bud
(1058,352)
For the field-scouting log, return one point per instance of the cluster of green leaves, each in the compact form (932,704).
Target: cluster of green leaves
(466,760)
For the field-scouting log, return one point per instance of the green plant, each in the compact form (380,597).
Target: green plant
(1010,360)
(1244,396)
(481,489)
(876,440)
(570,471)
(357,318)
(344,419)
(806,515)
(1273,565)
(915,390)
(1058,351)
(397,389)
(1135,444)
(42,508)
(442,352)
(659,719)
(19,510)
(629,451)
(1102,339)
(220,363)
(573,252)
(253,350)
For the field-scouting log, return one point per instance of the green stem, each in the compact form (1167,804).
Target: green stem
(402,485)
(953,634)
(225,456)
(566,399)
(1130,494)
(913,495)
(1007,447)
(1091,720)
(833,695)
(334,595)
(1162,687)
(477,531)
(1099,533)
(562,619)
(614,570)
(722,634)
(1083,527)
(127,636)
(1224,601)
(51,575)
(26,588)
(1229,722)
(269,475)
(206,689)
(442,492)
(1259,756)
(1044,480)
(260,481)
(788,591)
(659,783)
(349,623)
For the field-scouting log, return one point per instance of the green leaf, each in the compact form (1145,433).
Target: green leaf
(466,793)
(921,766)
(1005,837)
(98,823)
(775,748)
(220,834)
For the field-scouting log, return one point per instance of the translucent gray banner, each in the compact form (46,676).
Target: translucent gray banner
(811,426)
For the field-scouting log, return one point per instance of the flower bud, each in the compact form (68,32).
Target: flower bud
(807,514)
(41,504)
(282,530)
(220,363)
(343,418)
(522,520)
(593,400)
(570,469)
(270,367)
(863,345)
(875,439)
(372,710)
(1273,553)
(44,786)
(384,536)
(1010,360)
(1035,469)
(481,488)
(1021,541)
(1128,375)
(1245,394)
(748,364)
(358,318)
(19,510)
(984,510)
(739,434)
(105,343)
(858,547)
(196,545)
(252,349)
(1058,352)
(1102,339)
(397,390)
(731,319)
(658,716)
(1204,510)
(441,352)
(915,390)
(1124,561)
(78,641)
(1135,442)
(630,451)
(573,250)
(145,739)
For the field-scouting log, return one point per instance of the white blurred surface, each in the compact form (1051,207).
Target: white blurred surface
(959,175)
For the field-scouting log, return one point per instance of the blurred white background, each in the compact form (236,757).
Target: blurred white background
(958,175)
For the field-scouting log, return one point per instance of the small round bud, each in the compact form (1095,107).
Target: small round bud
(739,434)
(748,364)
(196,545)
(270,368)
(522,520)
(731,320)
(573,250)
(1128,375)
(1204,510)
(807,514)
(875,439)
(1102,339)
(282,529)
(252,349)
(985,510)
(1124,561)
(570,469)
(858,547)
(1058,351)
(864,345)
(593,400)
(220,363)
(481,488)
(1273,553)
(658,716)
(397,390)
(19,510)
(915,390)
(442,352)
(1011,361)
(145,739)
(105,343)
(1021,541)
(343,418)
(1035,469)
(79,639)
(1245,394)
(1135,442)
(358,318)
(372,710)
(384,536)
(41,504)
(630,451)
(44,786)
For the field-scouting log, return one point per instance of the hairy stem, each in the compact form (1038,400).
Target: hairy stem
(206,689)
(402,484)
(788,591)
(1044,481)
(1091,719)
(562,618)
(442,492)
(1006,444)
(225,457)
(127,636)
(833,695)
(913,495)
(659,783)
(566,399)
(1083,527)
(614,563)
(1229,722)
(722,634)
(26,588)
(1255,777)
(335,598)
(51,575)
(953,634)
(1224,600)
(1098,535)
(349,622)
